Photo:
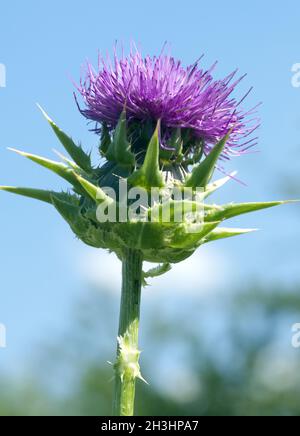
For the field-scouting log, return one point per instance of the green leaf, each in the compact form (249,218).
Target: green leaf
(223,232)
(70,212)
(231,210)
(149,175)
(203,172)
(119,149)
(174,210)
(188,236)
(174,147)
(37,194)
(68,161)
(212,187)
(57,167)
(105,140)
(95,192)
(41,194)
(156,272)
(76,152)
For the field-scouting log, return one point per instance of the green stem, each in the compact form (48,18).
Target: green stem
(127,367)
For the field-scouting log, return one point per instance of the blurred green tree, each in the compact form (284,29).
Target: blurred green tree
(241,363)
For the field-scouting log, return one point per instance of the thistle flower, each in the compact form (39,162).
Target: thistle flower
(157,119)
(160,88)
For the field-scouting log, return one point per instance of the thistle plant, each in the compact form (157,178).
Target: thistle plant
(164,130)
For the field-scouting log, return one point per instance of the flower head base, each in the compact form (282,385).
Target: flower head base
(163,128)
(160,88)
(158,239)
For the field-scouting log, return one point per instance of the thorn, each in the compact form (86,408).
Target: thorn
(23,153)
(142,379)
(65,159)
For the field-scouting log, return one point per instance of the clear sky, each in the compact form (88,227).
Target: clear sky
(43,45)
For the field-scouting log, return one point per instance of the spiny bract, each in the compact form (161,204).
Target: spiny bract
(158,240)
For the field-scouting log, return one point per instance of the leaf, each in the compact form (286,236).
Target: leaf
(70,212)
(174,210)
(68,161)
(223,232)
(41,194)
(57,167)
(76,152)
(95,192)
(37,194)
(203,172)
(188,235)
(119,148)
(149,175)
(105,140)
(231,210)
(174,147)
(156,272)
(212,187)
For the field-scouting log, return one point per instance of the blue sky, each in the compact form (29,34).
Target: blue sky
(43,267)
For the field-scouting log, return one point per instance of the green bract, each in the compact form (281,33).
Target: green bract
(159,240)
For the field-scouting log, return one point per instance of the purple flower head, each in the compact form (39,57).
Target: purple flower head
(159,87)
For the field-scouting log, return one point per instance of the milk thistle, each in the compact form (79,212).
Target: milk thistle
(163,130)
